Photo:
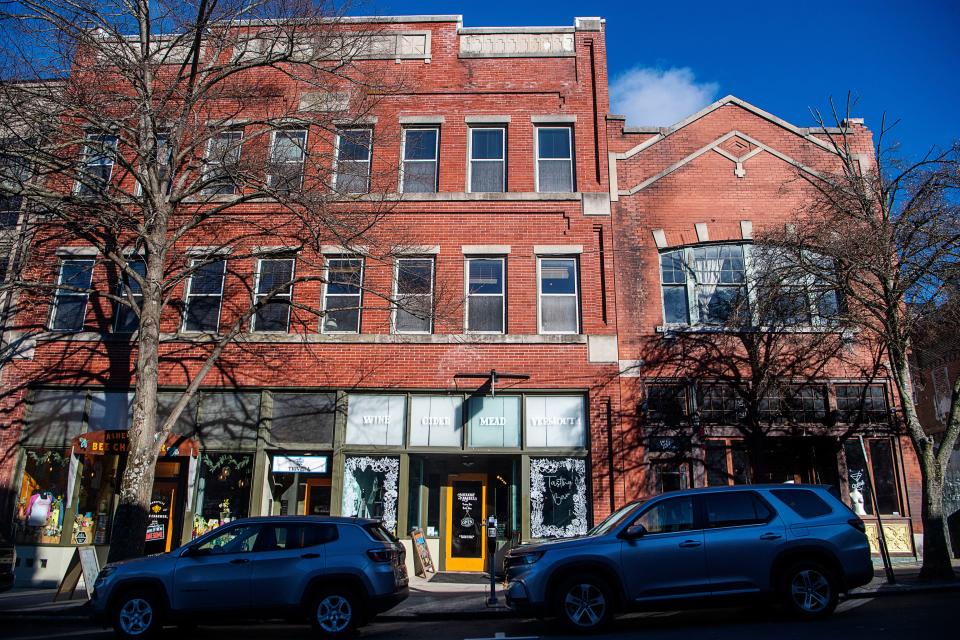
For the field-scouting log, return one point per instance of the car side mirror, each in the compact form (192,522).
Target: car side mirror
(635,531)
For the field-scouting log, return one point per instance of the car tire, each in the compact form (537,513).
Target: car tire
(809,590)
(335,613)
(138,614)
(583,604)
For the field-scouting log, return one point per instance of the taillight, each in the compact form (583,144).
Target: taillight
(381,555)
(857,524)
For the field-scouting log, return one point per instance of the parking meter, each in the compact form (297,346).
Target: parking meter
(492,546)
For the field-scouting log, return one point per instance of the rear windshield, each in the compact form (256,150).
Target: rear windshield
(377,532)
(803,502)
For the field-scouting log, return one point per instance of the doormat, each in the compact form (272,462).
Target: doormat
(449,577)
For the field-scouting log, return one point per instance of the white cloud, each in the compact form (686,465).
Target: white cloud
(658,97)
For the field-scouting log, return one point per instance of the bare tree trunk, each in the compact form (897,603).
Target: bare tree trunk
(936,552)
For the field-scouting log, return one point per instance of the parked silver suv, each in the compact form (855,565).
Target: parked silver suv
(334,572)
(698,547)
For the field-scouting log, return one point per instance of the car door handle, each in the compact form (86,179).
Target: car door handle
(771,536)
(689,544)
(310,556)
(239,561)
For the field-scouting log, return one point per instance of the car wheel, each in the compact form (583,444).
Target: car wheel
(585,603)
(335,613)
(138,614)
(809,590)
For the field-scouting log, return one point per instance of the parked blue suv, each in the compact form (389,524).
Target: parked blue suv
(700,547)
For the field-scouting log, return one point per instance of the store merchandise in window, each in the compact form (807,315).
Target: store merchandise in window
(41,504)
(223,493)
(558,497)
(371,488)
(98,488)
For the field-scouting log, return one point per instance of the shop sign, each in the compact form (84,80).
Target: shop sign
(100,443)
(556,421)
(300,464)
(375,419)
(157,516)
(436,421)
(494,422)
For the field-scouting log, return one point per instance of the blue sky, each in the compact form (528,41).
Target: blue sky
(666,59)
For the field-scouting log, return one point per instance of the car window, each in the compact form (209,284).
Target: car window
(735,508)
(803,502)
(377,532)
(239,539)
(315,534)
(298,535)
(674,514)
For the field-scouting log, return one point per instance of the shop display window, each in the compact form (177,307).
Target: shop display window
(41,503)
(558,497)
(727,463)
(376,420)
(99,483)
(556,421)
(878,471)
(436,421)
(110,410)
(494,421)
(371,488)
(223,491)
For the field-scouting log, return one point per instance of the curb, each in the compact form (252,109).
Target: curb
(903,591)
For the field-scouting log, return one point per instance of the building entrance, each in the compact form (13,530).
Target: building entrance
(465,516)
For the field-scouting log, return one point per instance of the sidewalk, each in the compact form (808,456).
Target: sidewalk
(437,600)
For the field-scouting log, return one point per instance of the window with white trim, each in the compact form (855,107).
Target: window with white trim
(421,152)
(343,295)
(70,302)
(126,320)
(486,306)
(274,286)
(488,160)
(413,302)
(559,309)
(99,154)
(204,295)
(288,150)
(222,163)
(555,160)
(353,161)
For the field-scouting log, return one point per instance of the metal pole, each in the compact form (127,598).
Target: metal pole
(881,537)
(492,545)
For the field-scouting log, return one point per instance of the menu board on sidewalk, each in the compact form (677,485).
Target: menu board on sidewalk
(422,562)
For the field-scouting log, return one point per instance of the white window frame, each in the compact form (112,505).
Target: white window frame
(470,160)
(208,165)
(536,155)
(397,294)
(359,294)
(435,161)
(369,160)
(575,295)
(122,292)
(189,294)
(88,155)
(502,294)
(691,314)
(60,293)
(303,153)
(278,296)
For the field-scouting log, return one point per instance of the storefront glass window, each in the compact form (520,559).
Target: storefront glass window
(110,410)
(303,418)
(881,473)
(376,420)
(857,478)
(371,488)
(436,421)
(95,503)
(494,422)
(223,492)
(555,421)
(40,507)
(558,497)
(884,476)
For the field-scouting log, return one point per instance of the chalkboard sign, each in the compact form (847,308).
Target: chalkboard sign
(422,562)
(83,562)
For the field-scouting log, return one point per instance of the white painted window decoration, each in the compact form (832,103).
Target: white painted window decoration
(125,319)
(378,420)
(371,488)
(70,302)
(421,152)
(204,295)
(222,163)
(559,308)
(486,300)
(413,299)
(287,154)
(488,160)
(558,497)
(99,155)
(353,161)
(343,295)
(555,421)
(555,160)
(273,281)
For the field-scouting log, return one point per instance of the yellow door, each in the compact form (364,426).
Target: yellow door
(466,543)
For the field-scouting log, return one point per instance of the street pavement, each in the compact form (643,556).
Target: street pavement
(905,615)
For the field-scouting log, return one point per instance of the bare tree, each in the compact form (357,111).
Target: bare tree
(891,231)
(166,136)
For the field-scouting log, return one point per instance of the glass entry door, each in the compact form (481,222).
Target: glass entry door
(465,545)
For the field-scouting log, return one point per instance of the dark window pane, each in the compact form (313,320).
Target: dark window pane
(69,314)
(675,310)
(208,278)
(716,460)
(354,145)
(669,516)
(666,403)
(203,313)
(486,276)
(672,269)
(414,276)
(558,276)
(344,277)
(342,314)
(485,313)
(487,144)
(803,502)
(274,274)
(229,419)
(76,273)
(420,144)
(735,509)
(553,142)
(884,476)
(303,418)
(223,492)
(273,316)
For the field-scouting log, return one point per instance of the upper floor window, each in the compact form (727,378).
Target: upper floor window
(852,397)
(127,320)
(420,154)
(204,295)
(274,292)
(353,161)
(486,311)
(554,159)
(790,288)
(9,210)
(413,312)
(14,172)
(666,403)
(287,153)
(488,160)
(343,294)
(559,307)
(719,403)
(222,163)
(99,154)
(163,159)
(795,403)
(70,300)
